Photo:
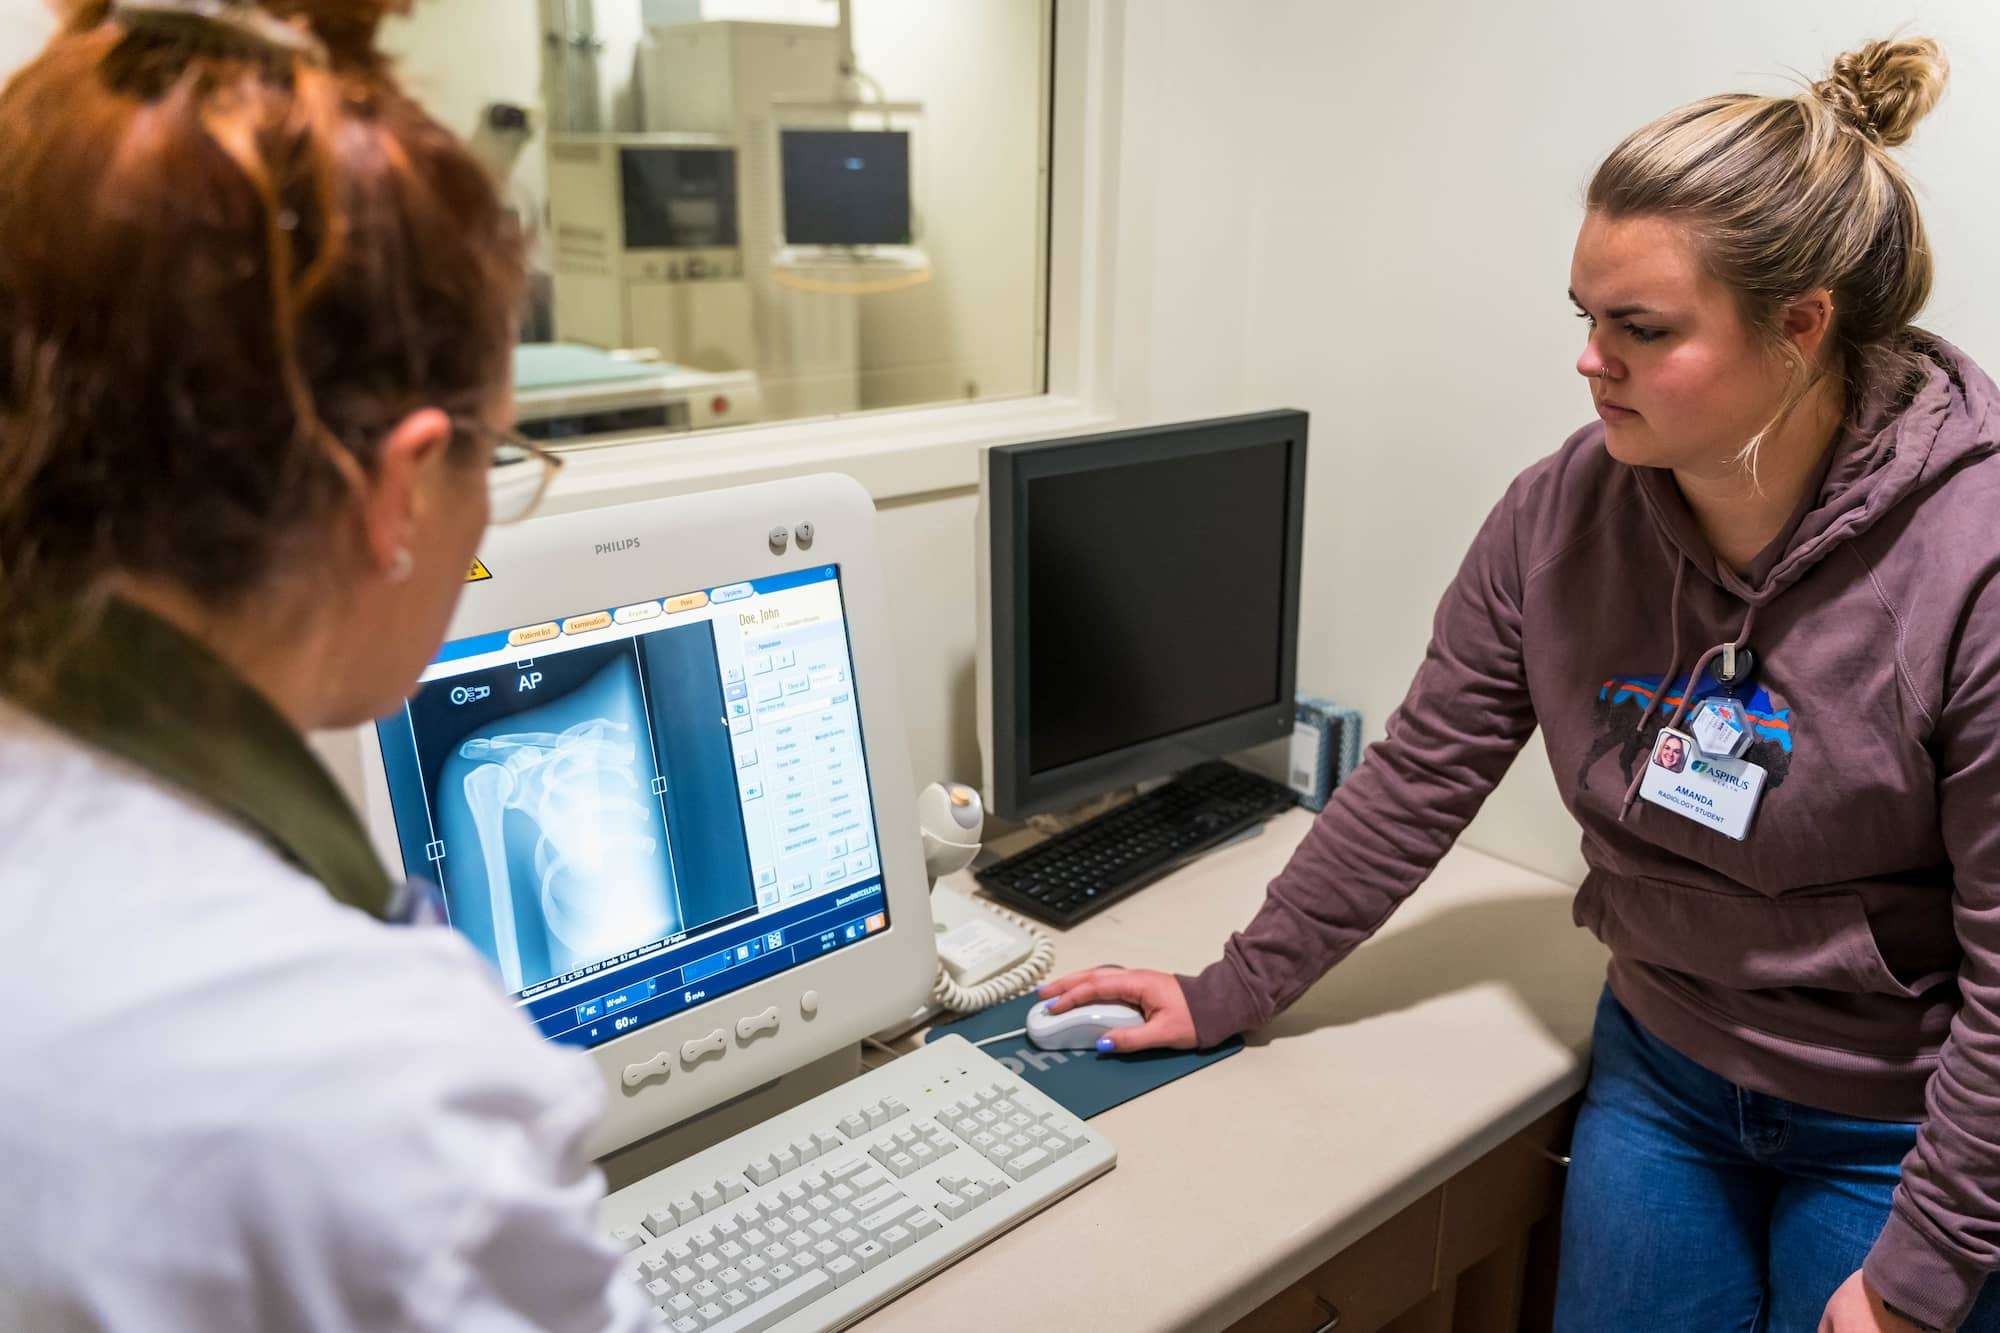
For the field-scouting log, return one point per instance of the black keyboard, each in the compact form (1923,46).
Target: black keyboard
(1085,869)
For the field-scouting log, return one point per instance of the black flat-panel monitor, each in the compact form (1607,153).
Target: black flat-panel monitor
(1143,603)
(846,187)
(678,198)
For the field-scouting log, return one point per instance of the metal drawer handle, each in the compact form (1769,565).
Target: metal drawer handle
(1332,1314)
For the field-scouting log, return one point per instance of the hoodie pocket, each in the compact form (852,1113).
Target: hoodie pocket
(1743,941)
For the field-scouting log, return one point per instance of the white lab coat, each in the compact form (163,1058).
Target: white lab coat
(228,1102)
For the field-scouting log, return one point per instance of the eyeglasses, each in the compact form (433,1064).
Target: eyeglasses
(520,475)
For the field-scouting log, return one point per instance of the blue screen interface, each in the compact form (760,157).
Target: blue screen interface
(636,809)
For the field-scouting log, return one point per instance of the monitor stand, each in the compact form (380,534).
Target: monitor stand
(648,1155)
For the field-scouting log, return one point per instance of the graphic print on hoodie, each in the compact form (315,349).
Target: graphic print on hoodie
(1623,700)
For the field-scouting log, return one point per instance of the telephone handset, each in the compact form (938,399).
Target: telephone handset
(985,954)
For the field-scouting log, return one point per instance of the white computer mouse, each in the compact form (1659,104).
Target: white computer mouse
(1078,1029)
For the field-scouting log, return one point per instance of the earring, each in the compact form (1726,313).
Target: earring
(401,565)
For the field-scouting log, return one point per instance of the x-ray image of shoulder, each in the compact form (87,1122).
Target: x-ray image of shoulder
(556,845)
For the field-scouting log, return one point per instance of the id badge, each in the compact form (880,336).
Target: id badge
(1715,792)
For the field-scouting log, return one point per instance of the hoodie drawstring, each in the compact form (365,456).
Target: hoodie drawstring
(1673,658)
(1732,647)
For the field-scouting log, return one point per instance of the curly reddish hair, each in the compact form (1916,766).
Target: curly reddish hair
(233,254)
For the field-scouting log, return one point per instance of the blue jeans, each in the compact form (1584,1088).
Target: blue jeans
(1694,1204)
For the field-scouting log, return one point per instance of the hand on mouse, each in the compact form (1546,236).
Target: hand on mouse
(1157,995)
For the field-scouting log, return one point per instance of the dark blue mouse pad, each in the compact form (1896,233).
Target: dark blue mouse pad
(1081,1082)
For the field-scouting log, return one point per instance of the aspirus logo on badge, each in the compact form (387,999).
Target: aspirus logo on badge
(1714,774)
(613,548)
(468,694)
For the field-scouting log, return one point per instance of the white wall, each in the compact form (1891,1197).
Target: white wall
(1367,212)
(456,57)
(659,13)
(24,26)
(971,330)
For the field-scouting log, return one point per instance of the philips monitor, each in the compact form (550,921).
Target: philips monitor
(845,187)
(1139,604)
(657,772)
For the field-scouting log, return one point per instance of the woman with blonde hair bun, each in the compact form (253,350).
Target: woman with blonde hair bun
(1777,545)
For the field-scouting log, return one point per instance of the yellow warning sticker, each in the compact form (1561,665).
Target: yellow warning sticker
(478,571)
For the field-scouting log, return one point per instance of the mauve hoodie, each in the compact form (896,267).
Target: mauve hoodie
(1847,953)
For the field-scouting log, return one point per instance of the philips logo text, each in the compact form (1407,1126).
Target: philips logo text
(613,548)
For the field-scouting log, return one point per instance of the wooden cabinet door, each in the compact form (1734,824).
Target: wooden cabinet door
(1366,1285)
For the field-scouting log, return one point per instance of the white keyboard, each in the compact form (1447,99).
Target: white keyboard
(817,1216)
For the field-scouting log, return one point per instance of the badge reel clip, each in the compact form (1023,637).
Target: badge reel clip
(1721,726)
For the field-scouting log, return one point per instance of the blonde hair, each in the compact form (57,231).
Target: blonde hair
(1787,195)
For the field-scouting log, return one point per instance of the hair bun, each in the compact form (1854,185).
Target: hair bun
(1884,88)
